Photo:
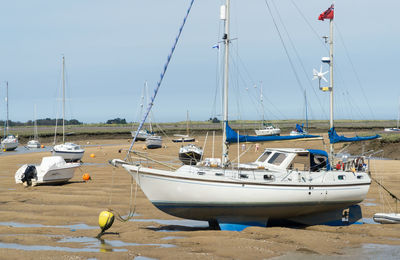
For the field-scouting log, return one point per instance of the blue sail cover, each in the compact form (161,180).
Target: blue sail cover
(299,128)
(233,137)
(335,138)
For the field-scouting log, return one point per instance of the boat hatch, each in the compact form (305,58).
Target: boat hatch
(264,156)
(277,158)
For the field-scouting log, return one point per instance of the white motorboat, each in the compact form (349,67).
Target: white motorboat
(69,151)
(52,170)
(9,142)
(268,129)
(282,184)
(387,218)
(190,154)
(154,142)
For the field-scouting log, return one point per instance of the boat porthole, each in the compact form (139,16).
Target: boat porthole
(309,193)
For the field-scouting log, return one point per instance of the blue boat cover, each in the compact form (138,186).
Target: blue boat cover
(335,138)
(233,137)
(299,128)
(322,153)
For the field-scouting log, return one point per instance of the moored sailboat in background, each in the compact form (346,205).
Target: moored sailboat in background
(143,134)
(184,138)
(395,129)
(282,184)
(190,154)
(69,151)
(266,129)
(299,129)
(34,143)
(9,141)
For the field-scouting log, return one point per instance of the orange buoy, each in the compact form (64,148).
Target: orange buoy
(42,146)
(86,177)
(92,155)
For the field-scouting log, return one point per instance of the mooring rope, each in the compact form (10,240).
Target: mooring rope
(132,200)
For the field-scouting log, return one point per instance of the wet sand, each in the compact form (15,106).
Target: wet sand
(47,222)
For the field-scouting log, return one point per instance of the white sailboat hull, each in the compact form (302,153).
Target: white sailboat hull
(396,130)
(9,143)
(33,144)
(267,132)
(154,142)
(193,196)
(68,156)
(69,151)
(9,146)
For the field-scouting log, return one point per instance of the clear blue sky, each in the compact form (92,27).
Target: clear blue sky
(112,47)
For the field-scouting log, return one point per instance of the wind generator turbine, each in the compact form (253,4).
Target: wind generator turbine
(320,75)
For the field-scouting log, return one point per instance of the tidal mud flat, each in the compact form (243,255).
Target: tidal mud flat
(61,221)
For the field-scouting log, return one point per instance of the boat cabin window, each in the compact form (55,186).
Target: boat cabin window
(301,162)
(277,158)
(264,156)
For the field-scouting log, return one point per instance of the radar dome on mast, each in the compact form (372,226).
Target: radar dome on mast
(326,60)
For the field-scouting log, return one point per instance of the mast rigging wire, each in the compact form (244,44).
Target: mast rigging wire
(150,105)
(354,71)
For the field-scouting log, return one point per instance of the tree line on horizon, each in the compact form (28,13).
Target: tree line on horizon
(45,121)
(53,121)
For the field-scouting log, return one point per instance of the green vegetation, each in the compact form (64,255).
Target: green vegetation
(390,138)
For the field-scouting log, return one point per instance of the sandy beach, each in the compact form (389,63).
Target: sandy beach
(61,221)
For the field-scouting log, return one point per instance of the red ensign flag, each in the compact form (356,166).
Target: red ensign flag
(328,14)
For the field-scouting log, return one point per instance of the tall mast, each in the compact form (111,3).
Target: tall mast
(262,103)
(225,13)
(398,114)
(305,104)
(35,132)
(187,122)
(7,107)
(63,100)
(331,81)
(147,96)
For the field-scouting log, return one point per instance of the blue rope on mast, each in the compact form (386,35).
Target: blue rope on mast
(161,79)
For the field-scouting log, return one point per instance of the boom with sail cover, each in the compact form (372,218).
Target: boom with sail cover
(233,137)
(335,138)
